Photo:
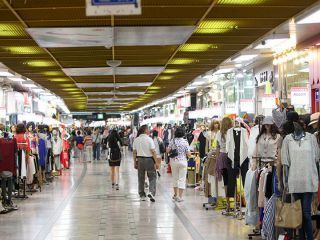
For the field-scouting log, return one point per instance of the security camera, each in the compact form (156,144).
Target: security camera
(263,42)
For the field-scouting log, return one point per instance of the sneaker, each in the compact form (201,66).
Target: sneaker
(143,198)
(117,186)
(151,197)
(113,185)
(179,199)
(174,198)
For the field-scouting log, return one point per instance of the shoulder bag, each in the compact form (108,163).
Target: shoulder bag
(174,151)
(288,215)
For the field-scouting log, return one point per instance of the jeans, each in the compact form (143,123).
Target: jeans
(6,194)
(147,165)
(96,151)
(306,229)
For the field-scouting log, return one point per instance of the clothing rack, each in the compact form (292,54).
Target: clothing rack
(257,232)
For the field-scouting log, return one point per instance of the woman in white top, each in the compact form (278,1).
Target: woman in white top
(179,163)
(159,150)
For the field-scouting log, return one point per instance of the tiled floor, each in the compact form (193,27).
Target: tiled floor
(82,205)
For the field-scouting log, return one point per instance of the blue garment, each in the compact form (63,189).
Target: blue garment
(42,153)
(305,232)
(79,140)
(268,229)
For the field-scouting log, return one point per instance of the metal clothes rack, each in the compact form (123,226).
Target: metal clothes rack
(270,160)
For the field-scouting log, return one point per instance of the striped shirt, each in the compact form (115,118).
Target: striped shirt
(88,141)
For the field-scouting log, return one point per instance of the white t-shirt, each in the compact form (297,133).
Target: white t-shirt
(143,145)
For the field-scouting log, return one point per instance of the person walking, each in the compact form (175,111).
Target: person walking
(160,149)
(88,142)
(79,145)
(114,143)
(97,138)
(179,162)
(144,156)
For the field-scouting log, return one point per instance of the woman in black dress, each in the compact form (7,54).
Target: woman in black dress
(114,157)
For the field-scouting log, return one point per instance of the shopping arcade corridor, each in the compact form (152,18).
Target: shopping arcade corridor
(82,205)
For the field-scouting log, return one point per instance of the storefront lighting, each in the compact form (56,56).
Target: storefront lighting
(182,61)
(245,58)
(198,83)
(238,65)
(305,70)
(190,88)
(312,18)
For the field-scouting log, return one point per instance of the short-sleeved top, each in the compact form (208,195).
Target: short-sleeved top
(79,140)
(182,146)
(267,146)
(301,157)
(222,142)
(88,140)
(143,145)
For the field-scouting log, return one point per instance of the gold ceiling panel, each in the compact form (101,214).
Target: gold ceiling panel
(230,26)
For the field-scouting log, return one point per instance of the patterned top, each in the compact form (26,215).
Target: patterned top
(183,147)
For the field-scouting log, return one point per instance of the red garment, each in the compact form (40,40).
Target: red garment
(22,142)
(8,149)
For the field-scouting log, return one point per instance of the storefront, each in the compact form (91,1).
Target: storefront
(314,78)
(293,74)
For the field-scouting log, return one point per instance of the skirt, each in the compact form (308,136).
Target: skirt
(114,157)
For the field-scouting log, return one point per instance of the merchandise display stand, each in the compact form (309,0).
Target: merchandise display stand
(261,164)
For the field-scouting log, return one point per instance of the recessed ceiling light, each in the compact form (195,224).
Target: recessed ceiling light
(245,57)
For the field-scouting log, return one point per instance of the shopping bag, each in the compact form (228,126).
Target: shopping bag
(288,215)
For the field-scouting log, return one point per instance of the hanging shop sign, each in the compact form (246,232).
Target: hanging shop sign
(113,7)
(264,75)
(269,101)
(247,105)
(300,96)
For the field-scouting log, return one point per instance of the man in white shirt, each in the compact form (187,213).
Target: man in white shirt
(144,156)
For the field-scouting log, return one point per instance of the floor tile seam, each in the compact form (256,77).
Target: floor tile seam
(58,211)
(190,228)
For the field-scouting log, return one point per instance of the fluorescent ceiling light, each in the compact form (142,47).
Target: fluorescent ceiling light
(245,58)
(5,73)
(29,85)
(311,18)
(16,79)
(108,71)
(223,71)
(109,99)
(182,92)
(111,85)
(270,43)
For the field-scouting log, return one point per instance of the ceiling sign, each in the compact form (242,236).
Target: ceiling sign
(113,7)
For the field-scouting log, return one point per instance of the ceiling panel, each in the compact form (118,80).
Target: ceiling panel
(230,26)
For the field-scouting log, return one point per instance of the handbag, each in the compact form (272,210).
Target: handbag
(288,215)
(173,152)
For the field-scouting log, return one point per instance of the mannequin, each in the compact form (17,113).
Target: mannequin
(42,149)
(238,162)
(32,152)
(56,150)
(299,155)
(65,147)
